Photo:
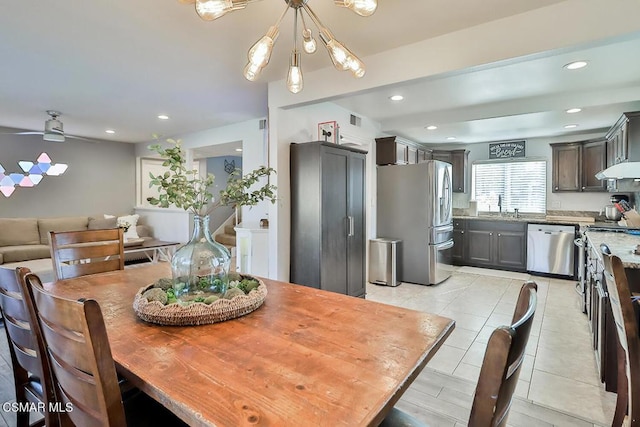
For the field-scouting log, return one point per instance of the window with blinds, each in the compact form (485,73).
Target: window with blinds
(516,184)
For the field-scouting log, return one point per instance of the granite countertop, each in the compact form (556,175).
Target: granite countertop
(531,219)
(620,244)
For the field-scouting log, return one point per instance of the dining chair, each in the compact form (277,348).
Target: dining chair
(78,253)
(627,410)
(499,372)
(78,350)
(31,369)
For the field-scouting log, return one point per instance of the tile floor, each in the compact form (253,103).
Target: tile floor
(558,384)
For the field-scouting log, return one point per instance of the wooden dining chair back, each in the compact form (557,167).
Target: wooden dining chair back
(78,349)
(502,363)
(78,253)
(626,325)
(31,370)
(499,372)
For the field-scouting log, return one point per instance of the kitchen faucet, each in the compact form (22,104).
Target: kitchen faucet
(500,203)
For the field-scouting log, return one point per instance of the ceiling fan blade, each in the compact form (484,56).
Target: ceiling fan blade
(82,138)
(22,133)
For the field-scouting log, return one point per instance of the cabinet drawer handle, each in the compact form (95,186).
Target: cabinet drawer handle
(556,188)
(499,234)
(462,232)
(490,234)
(584,188)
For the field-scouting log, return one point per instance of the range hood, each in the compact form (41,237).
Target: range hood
(627,170)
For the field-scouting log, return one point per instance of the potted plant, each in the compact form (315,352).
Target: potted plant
(200,268)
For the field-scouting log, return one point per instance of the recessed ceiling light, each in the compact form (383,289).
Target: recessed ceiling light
(110,131)
(163,117)
(238,149)
(570,126)
(432,127)
(574,110)
(396,98)
(451,138)
(575,65)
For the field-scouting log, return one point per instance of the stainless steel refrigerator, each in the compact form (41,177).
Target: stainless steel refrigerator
(414,205)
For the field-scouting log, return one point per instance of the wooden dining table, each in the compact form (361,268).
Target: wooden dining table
(305,357)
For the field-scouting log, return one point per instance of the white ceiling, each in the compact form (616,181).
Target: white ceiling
(117,64)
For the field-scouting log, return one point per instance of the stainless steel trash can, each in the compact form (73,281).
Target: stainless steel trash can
(383,255)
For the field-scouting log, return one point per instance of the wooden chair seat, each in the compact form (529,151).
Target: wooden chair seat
(500,369)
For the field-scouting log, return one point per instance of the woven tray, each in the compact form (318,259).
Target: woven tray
(199,313)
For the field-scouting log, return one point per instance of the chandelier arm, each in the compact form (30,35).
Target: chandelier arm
(295,30)
(316,20)
(284,12)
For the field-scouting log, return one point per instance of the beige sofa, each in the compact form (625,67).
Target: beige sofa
(25,239)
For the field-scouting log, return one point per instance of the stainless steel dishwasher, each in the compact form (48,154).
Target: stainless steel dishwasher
(550,249)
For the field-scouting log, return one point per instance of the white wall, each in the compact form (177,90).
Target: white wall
(254,154)
(99,179)
(301,125)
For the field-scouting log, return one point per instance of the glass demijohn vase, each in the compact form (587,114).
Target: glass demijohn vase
(201,267)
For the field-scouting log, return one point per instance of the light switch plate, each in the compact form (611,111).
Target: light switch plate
(328,131)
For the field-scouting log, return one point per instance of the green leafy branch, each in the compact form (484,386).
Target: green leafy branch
(185,188)
(237,192)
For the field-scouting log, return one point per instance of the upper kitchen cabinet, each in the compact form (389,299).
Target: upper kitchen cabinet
(390,151)
(575,164)
(459,159)
(623,139)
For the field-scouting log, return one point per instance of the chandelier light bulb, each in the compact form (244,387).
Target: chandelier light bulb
(361,7)
(341,57)
(251,72)
(213,9)
(294,78)
(308,42)
(356,67)
(260,52)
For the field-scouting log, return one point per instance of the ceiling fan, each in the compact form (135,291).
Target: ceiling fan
(53,130)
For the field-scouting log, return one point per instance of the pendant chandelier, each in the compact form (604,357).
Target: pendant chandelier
(341,57)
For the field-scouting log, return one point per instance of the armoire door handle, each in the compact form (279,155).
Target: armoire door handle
(351,227)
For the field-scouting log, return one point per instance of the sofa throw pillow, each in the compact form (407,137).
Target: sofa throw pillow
(129,223)
(102,223)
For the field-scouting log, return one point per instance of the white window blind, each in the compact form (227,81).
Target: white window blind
(517,184)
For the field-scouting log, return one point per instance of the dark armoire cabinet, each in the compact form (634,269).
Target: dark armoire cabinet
(328,217)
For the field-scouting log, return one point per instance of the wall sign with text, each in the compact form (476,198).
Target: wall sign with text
(506,150)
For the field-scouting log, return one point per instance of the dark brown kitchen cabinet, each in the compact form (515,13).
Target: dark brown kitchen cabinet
(459,242)
(459,162)
(496,244)
(617,141)
(391,152)
(623,139)
(442,155)
(412,155)
(566,173)
(423,155)
(601,322)
(328,211)
(575,164)
(594,159)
